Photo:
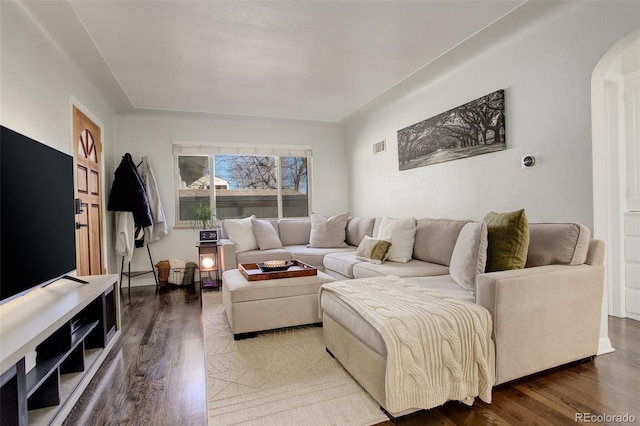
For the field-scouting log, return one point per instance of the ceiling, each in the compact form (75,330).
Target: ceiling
(313,60)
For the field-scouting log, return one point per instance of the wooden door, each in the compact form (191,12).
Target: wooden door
(87,145)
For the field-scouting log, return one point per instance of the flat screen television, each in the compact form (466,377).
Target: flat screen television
(37,214)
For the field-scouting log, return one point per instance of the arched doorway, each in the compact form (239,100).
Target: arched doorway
(609,177)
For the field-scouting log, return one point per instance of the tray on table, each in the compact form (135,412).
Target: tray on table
(253,272)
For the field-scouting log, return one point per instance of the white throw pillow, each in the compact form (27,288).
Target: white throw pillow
(328,232)
(401,233)
(266,234)
(469,256)
(240,231)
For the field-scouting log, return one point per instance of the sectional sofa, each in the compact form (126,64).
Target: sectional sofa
(544,315)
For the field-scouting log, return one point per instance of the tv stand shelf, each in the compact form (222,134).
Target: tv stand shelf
(68,328)
(46,367)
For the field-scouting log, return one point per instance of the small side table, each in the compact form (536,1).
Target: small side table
(208,263)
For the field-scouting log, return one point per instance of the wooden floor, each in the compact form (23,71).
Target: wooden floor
(155,376)
(155,373)
(610,384)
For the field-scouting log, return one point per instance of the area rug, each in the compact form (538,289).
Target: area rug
(281,377)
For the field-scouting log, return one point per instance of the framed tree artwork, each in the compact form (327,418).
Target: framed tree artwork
(477,127)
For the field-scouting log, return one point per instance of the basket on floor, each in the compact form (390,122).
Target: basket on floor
(163,272)
(189,273)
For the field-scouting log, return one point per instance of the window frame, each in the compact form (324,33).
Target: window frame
(186,148)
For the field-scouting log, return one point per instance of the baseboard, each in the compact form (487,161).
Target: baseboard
(605,346)
(634,317)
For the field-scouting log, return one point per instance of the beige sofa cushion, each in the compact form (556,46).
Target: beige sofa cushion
(314,256)
(358,228)
(444,284)
(341,262)
(241,290)
(413,268)
(469,256)
(294,231)
(353,322)
(344,315)
(328,232)
(557,244)
(435,239)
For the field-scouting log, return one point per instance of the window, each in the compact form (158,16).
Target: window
(239,185)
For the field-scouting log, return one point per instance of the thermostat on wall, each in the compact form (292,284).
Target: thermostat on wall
(528,161)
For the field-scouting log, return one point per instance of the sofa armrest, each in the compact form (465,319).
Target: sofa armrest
(543,316)
(227,249)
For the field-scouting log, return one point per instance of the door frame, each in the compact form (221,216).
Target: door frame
(615,143)
(74,102)
(602,176)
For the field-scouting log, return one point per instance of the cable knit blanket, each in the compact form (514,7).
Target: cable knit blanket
(438,348)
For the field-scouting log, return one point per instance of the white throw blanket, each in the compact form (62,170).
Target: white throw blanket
(438,348)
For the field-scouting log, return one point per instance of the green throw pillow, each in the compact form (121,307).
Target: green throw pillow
(508,240)
(373,250)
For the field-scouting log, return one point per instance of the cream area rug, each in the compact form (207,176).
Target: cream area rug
(282,377)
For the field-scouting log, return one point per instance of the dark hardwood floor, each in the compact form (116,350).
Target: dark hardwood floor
(155,376)
(609,384)
(155,373)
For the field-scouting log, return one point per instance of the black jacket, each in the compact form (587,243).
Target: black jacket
(128,193)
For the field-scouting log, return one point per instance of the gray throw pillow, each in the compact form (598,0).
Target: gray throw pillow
(328,232)
(265,234)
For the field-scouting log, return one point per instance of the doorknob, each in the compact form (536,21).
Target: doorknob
(78,206)
(80,225)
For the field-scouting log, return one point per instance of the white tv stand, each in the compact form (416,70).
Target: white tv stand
(71,327)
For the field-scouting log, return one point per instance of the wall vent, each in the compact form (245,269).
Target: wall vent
(379,146)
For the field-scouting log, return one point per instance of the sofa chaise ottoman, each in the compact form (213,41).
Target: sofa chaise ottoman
(253,306)
(544,315)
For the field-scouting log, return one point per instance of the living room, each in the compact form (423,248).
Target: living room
(543,54)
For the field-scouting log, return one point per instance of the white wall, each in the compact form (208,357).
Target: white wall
(545,69)
(38,82)
(630,59)
(151,134)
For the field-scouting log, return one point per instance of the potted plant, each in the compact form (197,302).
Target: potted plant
(204,217)
(205,222)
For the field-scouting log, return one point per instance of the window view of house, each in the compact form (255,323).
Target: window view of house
(243,185)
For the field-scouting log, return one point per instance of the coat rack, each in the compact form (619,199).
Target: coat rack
(129,194)
(130,274)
